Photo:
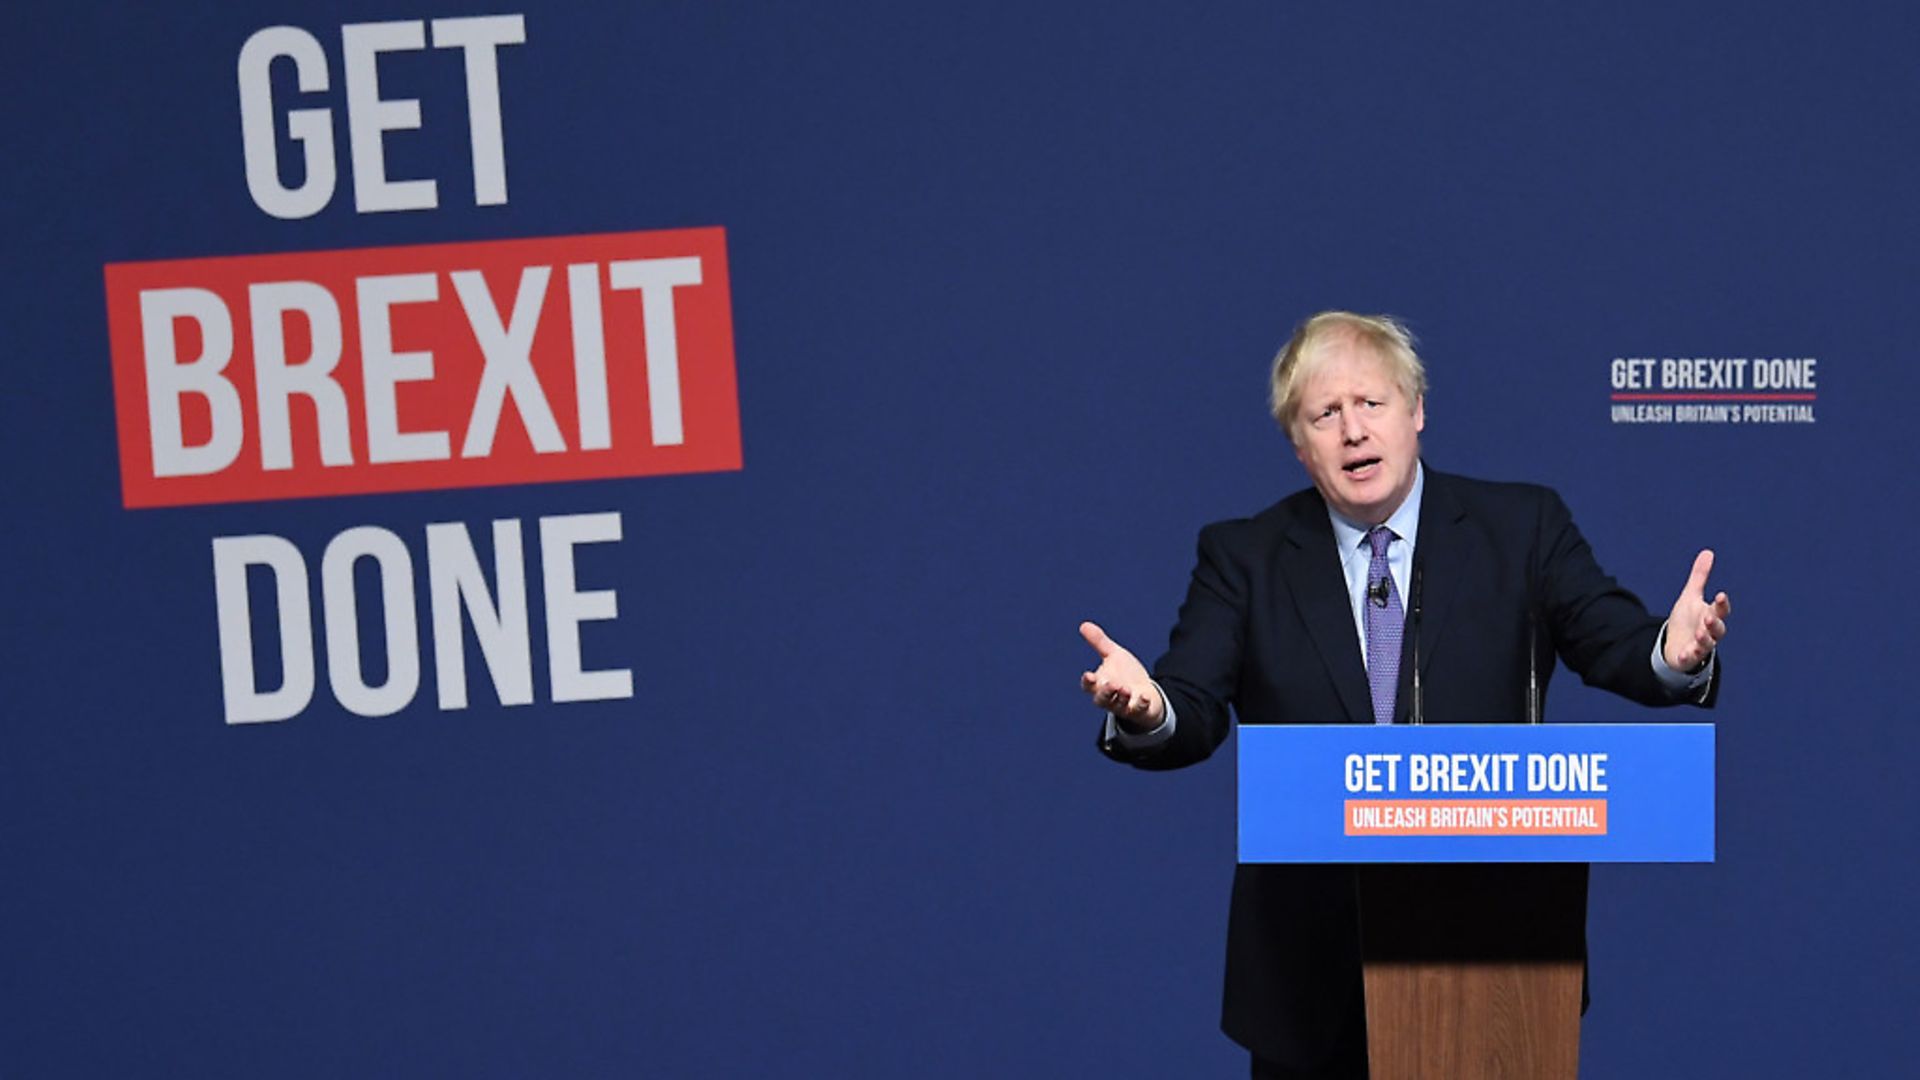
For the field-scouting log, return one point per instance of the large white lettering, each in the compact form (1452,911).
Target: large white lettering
(456,586)
(169,316)
(370,117)
(169,380)
(246,703)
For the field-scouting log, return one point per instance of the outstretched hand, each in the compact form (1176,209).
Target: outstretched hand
(1121,684)
(1695,626)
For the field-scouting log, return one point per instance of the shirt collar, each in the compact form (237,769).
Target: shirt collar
(1404,523)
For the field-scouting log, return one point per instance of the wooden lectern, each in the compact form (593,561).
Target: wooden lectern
(1473,970)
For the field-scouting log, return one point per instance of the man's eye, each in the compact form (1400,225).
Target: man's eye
(1372,404)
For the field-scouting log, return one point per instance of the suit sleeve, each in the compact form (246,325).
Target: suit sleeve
(1201,666)
(1602,631)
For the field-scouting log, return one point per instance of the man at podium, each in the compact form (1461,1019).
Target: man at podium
(1313,610)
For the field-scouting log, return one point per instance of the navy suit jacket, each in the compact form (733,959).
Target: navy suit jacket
(1267,628)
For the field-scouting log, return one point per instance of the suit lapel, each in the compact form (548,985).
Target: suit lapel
(1441,555)
(1311,568)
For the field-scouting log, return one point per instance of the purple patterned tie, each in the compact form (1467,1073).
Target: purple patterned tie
(1384,623)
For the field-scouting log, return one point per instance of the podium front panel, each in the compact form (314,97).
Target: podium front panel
(1363,793)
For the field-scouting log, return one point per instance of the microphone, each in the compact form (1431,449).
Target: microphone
(1377,591)
(1533,660)
(1419,710)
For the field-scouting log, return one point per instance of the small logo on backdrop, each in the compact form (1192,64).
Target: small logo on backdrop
(1713,390)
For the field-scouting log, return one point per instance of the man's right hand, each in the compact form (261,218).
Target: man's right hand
(1121,685)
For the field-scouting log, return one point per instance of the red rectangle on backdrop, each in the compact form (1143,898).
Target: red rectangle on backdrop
(423,367)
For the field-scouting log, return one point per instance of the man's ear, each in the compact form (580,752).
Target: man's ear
(1420,414)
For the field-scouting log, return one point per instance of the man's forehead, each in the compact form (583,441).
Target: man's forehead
(1347,364)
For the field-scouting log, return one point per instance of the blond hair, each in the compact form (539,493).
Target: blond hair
(1391,341)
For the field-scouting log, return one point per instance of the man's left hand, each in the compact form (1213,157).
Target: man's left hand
(1695,626)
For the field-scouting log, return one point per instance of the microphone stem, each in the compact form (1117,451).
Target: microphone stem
(1419,712)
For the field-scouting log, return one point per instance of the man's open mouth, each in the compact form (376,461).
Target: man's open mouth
(1353,467)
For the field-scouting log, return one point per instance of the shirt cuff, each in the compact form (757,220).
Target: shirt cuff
(1121,737)
(1679,683)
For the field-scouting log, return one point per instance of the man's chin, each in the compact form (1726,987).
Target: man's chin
(1369,503)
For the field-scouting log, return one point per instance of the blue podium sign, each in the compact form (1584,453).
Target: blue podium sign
(1362,793)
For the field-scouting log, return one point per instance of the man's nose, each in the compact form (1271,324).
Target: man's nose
(1350,429)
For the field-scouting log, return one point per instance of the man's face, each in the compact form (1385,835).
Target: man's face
(1356,432)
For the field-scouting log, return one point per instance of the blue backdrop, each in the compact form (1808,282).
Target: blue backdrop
(1006,279)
